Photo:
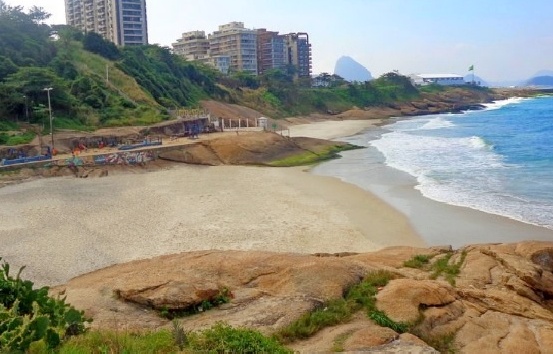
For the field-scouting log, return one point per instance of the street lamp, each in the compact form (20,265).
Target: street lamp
(26,108)
(48,89)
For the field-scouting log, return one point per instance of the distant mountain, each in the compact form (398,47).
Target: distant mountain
(540,81)
(477,79)
(544,73)
(351,70)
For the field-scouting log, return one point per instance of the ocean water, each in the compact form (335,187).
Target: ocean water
(498,160)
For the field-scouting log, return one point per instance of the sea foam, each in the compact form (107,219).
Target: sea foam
(490,160)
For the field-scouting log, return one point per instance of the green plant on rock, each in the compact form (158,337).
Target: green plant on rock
(29,315)
(444,343)
(179,335)
(418,261)
(222,338)
(336,311)
(383,320)
(443,267)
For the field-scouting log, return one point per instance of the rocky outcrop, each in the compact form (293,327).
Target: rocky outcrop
(501,300)
(247,149)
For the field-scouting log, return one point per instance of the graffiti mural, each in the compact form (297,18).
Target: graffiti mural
(125,158)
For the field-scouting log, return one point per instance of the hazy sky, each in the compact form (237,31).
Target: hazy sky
(504,39)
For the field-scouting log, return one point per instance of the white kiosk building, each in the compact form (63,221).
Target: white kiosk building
(439,79)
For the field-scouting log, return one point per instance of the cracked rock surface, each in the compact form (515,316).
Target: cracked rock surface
(500,302)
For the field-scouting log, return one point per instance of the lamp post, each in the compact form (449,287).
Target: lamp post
(48,89)
(26,108)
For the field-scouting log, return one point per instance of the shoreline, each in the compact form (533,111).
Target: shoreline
(438,223)
(61,228)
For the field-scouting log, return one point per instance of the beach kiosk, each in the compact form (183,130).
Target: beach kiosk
(262,122)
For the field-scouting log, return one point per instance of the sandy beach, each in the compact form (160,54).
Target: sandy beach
(63,227)
(437,223)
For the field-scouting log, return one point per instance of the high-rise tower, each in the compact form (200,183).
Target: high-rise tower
(123,22)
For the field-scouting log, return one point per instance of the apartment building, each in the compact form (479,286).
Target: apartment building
(193,46)
(271,51)
(234,48)
(238,43)
(123,22)
(299,53)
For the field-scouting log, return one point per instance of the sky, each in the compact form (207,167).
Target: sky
(503,39)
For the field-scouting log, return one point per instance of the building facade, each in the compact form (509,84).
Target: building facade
(271,51)
(123,22)
(299,53)
(238,43)
(193,46)
(234,48)
(438,79)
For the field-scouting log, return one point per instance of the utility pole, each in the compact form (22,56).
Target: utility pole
(26,108)
(48,89)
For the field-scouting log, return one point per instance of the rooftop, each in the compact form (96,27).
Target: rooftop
(437,76)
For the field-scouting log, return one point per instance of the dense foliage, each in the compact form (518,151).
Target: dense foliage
(171,80)
(94,83)
(29,315)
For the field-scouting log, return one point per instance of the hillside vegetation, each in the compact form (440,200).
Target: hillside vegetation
(96,84)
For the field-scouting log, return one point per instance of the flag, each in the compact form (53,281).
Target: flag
(471,68)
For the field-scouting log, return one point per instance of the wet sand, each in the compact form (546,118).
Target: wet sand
(437,223)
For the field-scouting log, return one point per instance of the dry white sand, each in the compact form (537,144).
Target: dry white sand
(332,129)
(63,227)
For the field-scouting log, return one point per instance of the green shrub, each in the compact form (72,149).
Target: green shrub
(418,261)
(444,343)
(329,314)
(384,321)
(222,338)
(71,124)
(337,311)
(103,342)
(7,126)
(29,315)
(13,140)
(443,267)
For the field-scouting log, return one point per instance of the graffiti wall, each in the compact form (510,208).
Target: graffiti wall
(125,158)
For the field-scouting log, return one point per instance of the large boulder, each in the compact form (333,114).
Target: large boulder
(402,299)
(500,302)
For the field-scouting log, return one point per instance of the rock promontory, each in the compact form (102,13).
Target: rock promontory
(494,298)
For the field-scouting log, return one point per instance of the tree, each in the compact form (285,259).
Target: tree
(94,43)
(7,67)
(31,81)
(246,79)
(38,15)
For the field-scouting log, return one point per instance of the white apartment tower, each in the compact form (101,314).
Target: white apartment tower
(123,22)
(237,43)
(193,46)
